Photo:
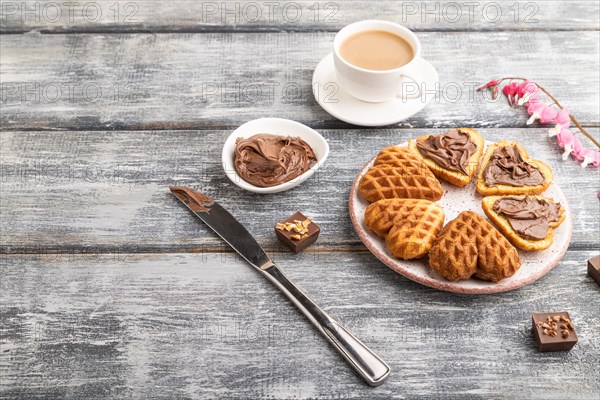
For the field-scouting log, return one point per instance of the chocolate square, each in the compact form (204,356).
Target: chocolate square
(546,324)
(594,268)
(297,241)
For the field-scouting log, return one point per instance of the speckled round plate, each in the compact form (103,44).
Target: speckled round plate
(455,200)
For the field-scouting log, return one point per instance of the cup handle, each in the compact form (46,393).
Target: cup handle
(400,94)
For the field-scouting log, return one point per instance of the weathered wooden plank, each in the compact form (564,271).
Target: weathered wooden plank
(194,16)
(192,326)
(216,80)
(107,191)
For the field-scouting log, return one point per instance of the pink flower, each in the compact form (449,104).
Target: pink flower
(525,87)
(491,83)
(494,92)
(566,139)
(563,117)
(535,110)
(525,91)
(565,136)
(589,157)
(562,120)
(545,113)
(548,115)
(534,98)
(510,91)
(576,149)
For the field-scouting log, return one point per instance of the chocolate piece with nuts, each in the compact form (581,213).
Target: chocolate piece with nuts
(554,331)
(297,232)
(594,269)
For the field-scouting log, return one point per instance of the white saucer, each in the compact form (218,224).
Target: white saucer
(340,104)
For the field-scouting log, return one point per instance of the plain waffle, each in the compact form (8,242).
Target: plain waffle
(409,226)
(398,173)
(471,246)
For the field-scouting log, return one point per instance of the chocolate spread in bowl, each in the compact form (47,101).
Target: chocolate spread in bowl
(266,160)
(450,150)
(530,217)
(507,167)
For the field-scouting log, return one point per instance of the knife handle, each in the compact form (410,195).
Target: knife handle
(368,364)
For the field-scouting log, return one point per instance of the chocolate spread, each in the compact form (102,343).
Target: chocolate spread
(507,167)
(196,201)
(268,160)
(529,216)
(450,150)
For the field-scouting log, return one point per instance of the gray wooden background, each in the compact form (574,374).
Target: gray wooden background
(110,289)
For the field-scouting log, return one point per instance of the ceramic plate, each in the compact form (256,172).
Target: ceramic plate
(347,108)
(454,201)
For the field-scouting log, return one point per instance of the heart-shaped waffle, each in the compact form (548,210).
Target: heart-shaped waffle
(470,246)
(449,174)
(505,226)
(409,226)
(499,171)
(398,173)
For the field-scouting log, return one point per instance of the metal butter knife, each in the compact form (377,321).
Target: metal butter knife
(370,366)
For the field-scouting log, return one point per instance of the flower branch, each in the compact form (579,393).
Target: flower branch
(527,94)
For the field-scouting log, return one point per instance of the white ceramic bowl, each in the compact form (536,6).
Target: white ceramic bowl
(274,126)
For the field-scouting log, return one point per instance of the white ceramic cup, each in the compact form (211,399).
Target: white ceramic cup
(375,86)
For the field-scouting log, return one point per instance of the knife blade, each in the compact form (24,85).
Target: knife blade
(364,361)
(236,236)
